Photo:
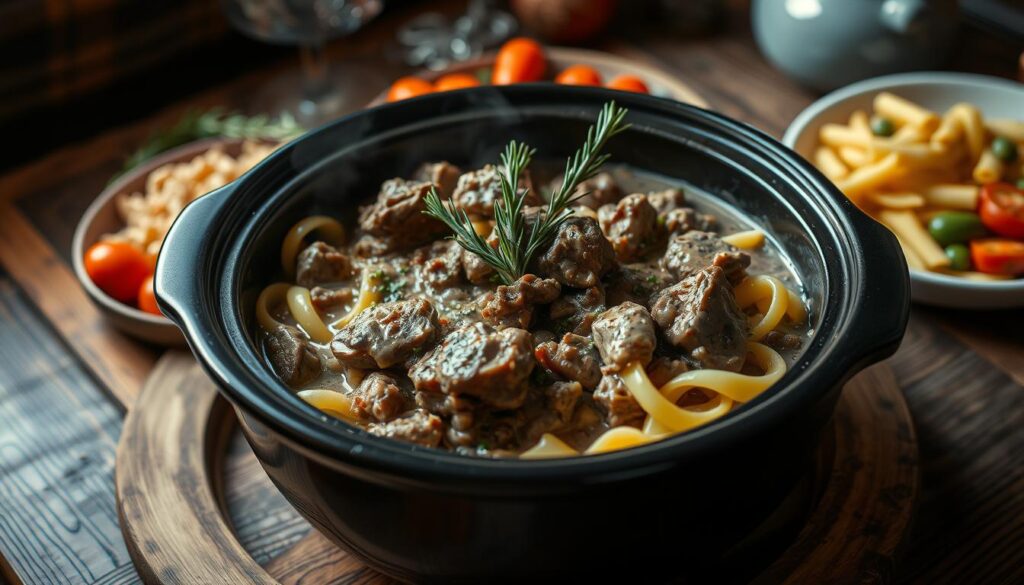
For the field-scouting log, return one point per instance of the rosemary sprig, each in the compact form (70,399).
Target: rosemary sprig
(518,243)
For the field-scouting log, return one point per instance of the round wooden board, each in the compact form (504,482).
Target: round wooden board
(608,65)
(171,496)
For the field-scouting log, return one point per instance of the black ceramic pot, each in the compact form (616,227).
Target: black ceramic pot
(421,514)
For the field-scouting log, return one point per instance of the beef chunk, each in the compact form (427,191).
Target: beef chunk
(631,226)
(386,334)
(291,355)
(617,402)
(579,255)
(326,298)
(666,200)
(689,253)
(419,427)
(687,219)
(636,283)
(573,358)
(478,190)
(662,369)
(596,191)
(442,175)
(476,360)
(513,305)
(396,220)
(700,315)
(439,265)
(624,334)
(549,410)
(576,310)
(379,397)
(320,263)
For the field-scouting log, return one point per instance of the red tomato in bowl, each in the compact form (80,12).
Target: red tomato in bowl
(998,256)
(147,297)
(407,87)
(118,269)
(1001,208)
(455,81)
(520,60)
(628,83)
(579,75)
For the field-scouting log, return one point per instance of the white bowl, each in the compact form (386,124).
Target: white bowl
(996,98)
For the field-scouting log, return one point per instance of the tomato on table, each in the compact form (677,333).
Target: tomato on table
(579,75)
(628,83)
(147,297)
(1001,208)
(520,60)
(118,269)
(408,87)
(455,81)
(998,256)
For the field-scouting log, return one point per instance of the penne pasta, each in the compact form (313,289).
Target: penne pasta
(903,111)
(837,135)
(950,129)
(989,168)
(825,158)
(908,229)
(898,200)
(963,197)
(974,130)
(913,259)
(860,123)
(1012,129)
(870,176)
(853,156)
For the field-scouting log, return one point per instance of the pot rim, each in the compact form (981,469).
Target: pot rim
(835,352)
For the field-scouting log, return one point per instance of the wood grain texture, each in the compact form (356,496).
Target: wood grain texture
(170,515)
(58,431)
(120,364)
(853,535)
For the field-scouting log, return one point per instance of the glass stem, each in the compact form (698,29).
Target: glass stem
(315,82)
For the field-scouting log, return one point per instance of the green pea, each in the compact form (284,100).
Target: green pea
(956,227)
(1004,149)
(959,257)
(882,126)
(1020,184)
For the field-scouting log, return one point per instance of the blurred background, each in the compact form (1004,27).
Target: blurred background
(72,68)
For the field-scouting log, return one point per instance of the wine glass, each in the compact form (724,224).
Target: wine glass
(308,24)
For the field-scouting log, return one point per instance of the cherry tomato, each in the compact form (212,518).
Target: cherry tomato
(147,298)
(997,256)
(1001,208)
(455,81)
(519,60)
(628,83)
(118,269)
(579,75)
(408,87)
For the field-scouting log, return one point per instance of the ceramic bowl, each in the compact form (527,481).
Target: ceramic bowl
(102,218)
(996,98)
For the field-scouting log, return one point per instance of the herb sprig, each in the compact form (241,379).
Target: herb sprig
(518,242)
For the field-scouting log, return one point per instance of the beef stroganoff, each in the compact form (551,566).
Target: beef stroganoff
(495,313)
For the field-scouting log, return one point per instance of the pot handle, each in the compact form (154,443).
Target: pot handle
(884,300)
(176,279)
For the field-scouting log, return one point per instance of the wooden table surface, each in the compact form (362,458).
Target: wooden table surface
(65,378)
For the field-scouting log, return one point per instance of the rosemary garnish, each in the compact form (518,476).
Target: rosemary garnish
(517,242)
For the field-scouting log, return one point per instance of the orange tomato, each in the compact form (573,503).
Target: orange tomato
(408,87)
(628,83)
(519,60)
(118,269)
(147,298)
(579,75)
(455,81)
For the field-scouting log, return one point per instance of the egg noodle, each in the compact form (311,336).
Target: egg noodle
(770,300)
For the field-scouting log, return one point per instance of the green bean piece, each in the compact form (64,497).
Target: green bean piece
(956,227)
(959,257)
